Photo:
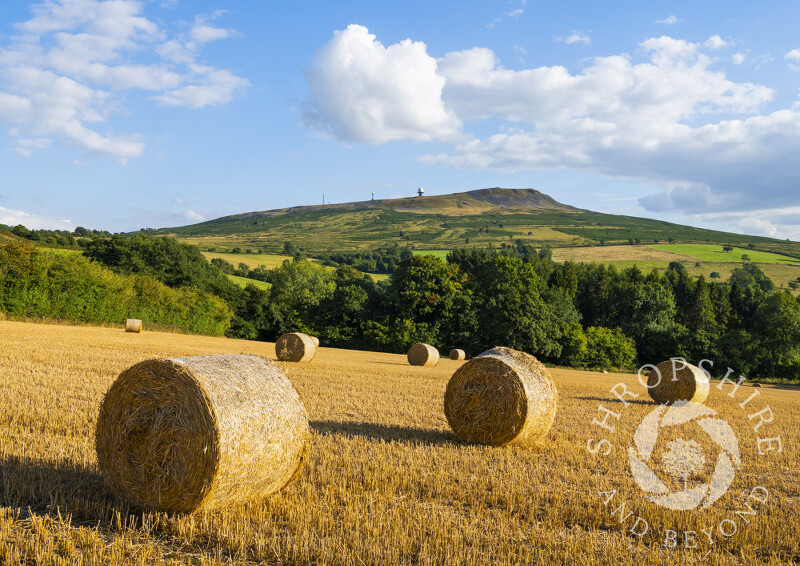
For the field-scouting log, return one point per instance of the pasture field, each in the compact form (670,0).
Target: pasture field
(709,252)
(386,482)
(245,281)
(441,254)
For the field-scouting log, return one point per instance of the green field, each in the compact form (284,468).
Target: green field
(244,281)
(707,252)
(441,254)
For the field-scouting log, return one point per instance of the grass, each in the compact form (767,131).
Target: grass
(245,281)
(385,482)
(441,254)
(705,252)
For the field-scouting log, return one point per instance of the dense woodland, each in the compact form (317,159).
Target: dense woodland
(580,315)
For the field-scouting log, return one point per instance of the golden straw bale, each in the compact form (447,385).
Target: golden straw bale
(501,397)
(315,340)
(295,347)
(457,354)
(423,355)
(133,325)
(202,432)
(676,380)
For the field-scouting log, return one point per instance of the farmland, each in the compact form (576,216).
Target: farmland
(386,482)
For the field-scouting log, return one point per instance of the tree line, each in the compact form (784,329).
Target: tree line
(574,314)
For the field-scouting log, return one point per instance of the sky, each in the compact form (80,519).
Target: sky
(125,114)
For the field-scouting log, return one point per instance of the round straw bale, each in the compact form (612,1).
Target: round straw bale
(501,397)
(315,340)
(203,432)
(457,354)
(423,355)
(295,347)
(676,380)
(133,325)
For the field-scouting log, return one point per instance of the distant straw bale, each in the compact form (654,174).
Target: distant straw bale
(457,354)
(676,380)
(315,340)
(501,397)
(423,355)
(203,432)
(295,347)
(133,325)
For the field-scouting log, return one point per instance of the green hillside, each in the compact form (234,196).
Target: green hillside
(470,219)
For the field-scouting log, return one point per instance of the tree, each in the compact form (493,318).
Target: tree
(776,327)
(298,287)
(608,348)
(432,295)
(714,275)
(745,258)
(727,249)
(510,308)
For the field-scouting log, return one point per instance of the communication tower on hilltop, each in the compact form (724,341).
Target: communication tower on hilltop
(373,195)
(420,191)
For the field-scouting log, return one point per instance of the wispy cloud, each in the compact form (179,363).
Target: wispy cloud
(62,75)
(11,217)
(669,20)
(574,37)
(793,56)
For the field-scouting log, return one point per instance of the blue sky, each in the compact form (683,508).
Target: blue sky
(128,114)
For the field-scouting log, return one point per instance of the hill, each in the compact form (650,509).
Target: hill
(469,219)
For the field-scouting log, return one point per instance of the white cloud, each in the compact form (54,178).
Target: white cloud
(779,223)
(664,116)
(669,20)
(738,58)
(631,120)
(194,216)
(11,217)
(62,76)
(515,13)
(575,37)
(716,42)
(361,90)
(793,55)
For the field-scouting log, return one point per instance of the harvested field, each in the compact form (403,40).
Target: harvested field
(386,482)
(617,253)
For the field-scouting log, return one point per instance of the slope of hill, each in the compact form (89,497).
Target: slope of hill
(474,218)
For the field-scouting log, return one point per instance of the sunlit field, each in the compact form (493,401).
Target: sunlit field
(386,482)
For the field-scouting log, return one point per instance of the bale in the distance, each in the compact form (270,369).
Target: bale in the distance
(315,340)
(423,355)
(202,432)
(457,354)
(295,347)
(676,380)
(133,325)
(501,397)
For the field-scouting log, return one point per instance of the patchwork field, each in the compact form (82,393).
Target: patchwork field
(386,482)
(252,261)
(707,252)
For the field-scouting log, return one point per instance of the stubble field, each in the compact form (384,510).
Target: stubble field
(386,482)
